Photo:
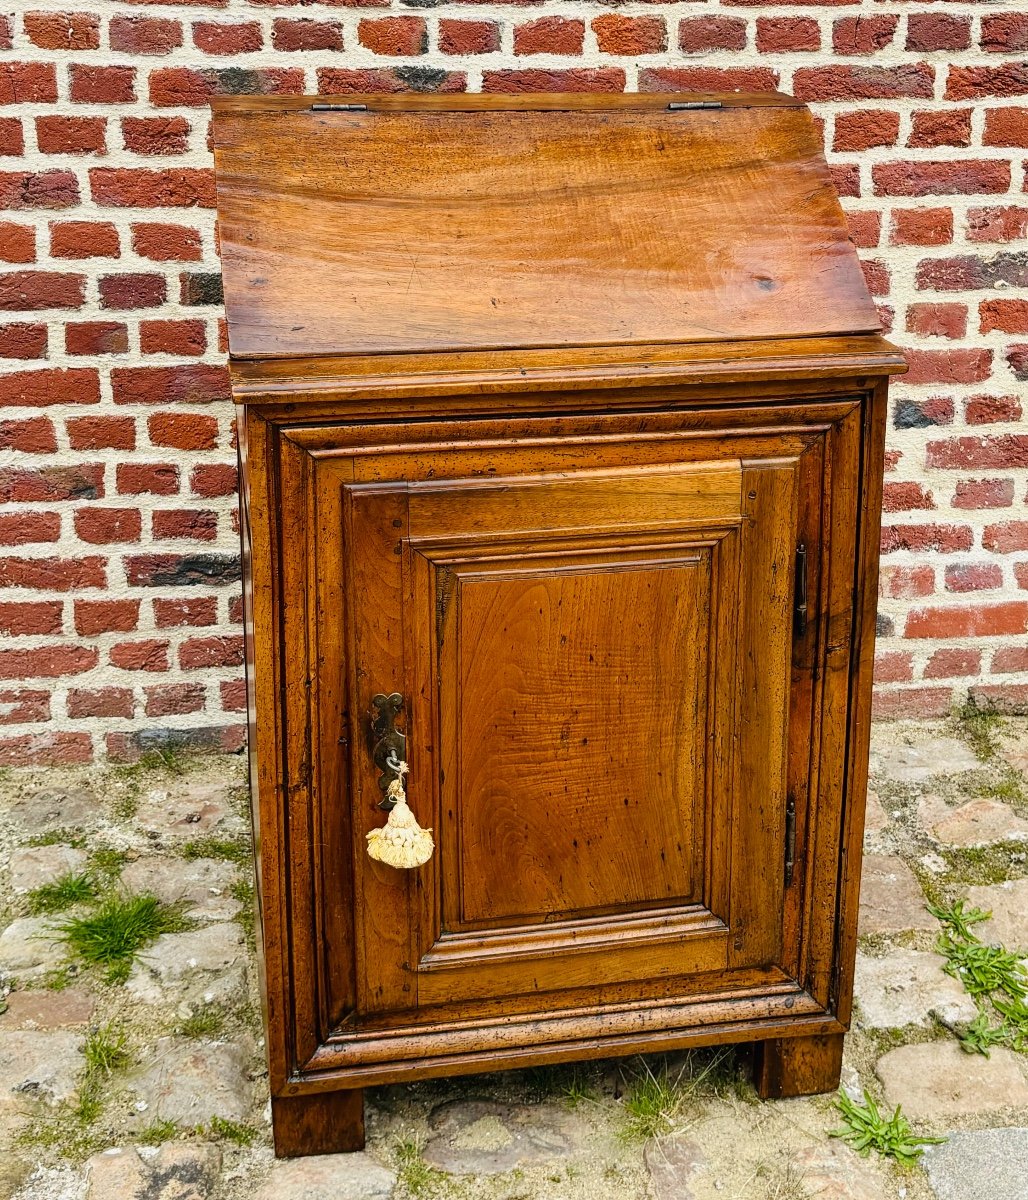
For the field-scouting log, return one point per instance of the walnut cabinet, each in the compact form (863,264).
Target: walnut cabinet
(561,420)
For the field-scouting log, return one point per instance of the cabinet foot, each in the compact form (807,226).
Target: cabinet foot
(324,1123)
(799,1066)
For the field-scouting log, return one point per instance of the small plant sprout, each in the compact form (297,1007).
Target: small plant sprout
(865,1129)
(112,934)
(958,918)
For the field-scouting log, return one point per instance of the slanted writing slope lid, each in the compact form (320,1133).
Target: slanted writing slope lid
(469,223)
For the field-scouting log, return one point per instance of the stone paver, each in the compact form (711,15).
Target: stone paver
(178,1171)
(986,1164)
(675,1163)
(328,1177)
(915,764)
(201,965)
(38,1066)
(28,948)
(909,987)
(937,1081)
(68,1009)
(1008,903)
(976,823)
(45,811)
(875,817)
(189,1083)
(14,1170)
(890,899)
(203,884)
(833,1171)
(481,1137)
(183,813)
(32,866)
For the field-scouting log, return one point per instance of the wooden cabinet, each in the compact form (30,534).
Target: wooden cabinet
(562,419)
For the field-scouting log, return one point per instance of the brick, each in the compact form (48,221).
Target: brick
(907,583)
(155,135)
(84,239)
(1006,127)
(28,83)
(197,653)
(700,34)
(213,479)
(12,136)
(953,663)
(707,79)
(168,699)
(140,187)
(937,320)
(197,610)
(784,35)
(948,366)
(241,37)
(944,538)
(332,81)
(23,340)
(1021,575)
(167,243)
(53,574)
(1004,33)
(72,385)
(864,34)
(96,337)
(950,127)
(6,32)
(31,528)
(83,703)
(145,35)
(548,35)
(232,693)
(911,702)
(23,617)
(291,35)
(1017,360)
(906,497)
(399,36)
(1007,316)
(1006,269)
(865,228)
(1006,537)
(93,617)
(894,666)
(158,479)
(173,337)
(1002,451)
(235,610)
(987,410)
(199,288)
(149,655)
(46,750)
(185,86)
(71,135)
(23,706)
(102,433)
(38,189)
(103,526)
(629,36)
(63,30)
(102,85)
(17,242)
(132,291)
(183,431)
(25,291)
(1010,660)
(1009,698)
(34,436)
(843,82)
(984,493)
(946,178)
(191,384)
(470,37)
(48,484)
(978,83)
(983,620)
(927,32)
(195,525)
(865,129)
(181,570)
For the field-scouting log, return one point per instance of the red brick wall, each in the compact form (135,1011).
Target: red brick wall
(119,610)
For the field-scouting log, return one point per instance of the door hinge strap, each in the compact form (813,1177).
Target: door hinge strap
(790,839)
(800,614)
(686,105)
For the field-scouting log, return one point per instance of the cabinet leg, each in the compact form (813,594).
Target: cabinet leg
(797,1066)
(324,1123)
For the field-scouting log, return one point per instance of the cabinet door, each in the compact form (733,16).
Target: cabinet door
(595,659)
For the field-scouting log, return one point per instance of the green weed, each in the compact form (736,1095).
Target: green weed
(58,837)
(865,1129)
(61,893)
(204,1023)
(110,937)
(106,864)
(235,850)
(415,1176)
(157,1132)
(979,725)
(232,1131)
(958,917)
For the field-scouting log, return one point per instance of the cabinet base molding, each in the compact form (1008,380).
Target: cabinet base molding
(323,1123)
(799,1066)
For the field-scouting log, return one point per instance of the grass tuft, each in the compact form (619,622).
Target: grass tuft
(235,850)
(979,724)
(157,1133)
(232,1131)
(414,1175)
(62,893)
(204,1023)
(865,1129)
(111,935)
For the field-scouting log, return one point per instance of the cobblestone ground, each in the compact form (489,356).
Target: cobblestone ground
(142,1077)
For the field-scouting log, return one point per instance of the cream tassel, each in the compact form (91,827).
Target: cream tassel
(401,842)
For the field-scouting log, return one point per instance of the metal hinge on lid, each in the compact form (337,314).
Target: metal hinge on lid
(339,107)
(790,839)
(800,613)
(679,105)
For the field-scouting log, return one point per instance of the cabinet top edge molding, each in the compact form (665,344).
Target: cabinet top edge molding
(384,225)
